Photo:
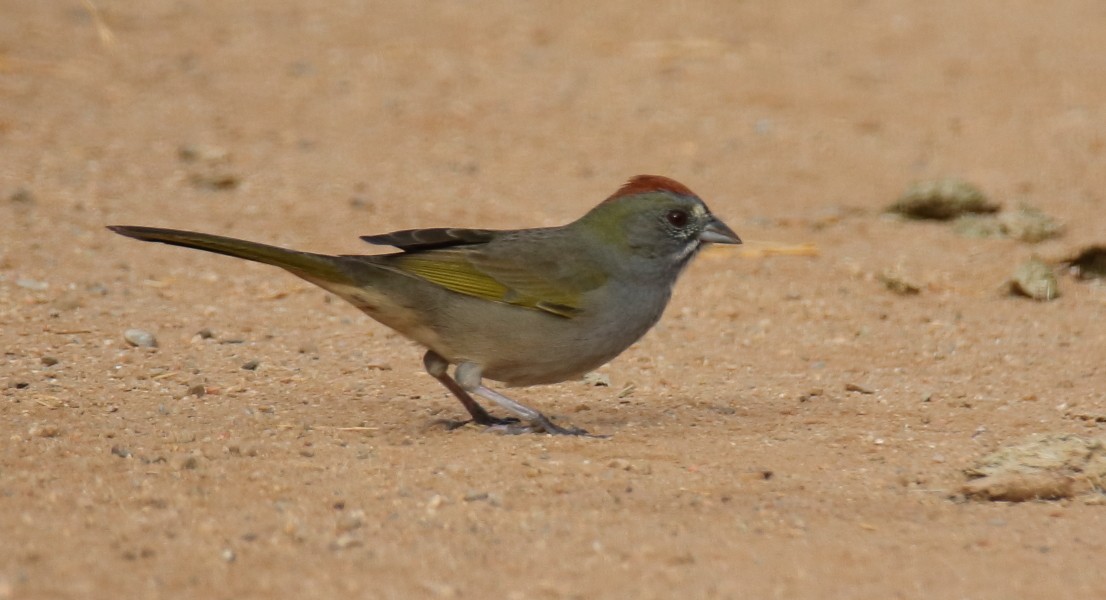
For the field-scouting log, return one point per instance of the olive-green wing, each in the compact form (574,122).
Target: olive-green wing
(524,279)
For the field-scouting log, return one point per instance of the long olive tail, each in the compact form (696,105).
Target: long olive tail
(316,268)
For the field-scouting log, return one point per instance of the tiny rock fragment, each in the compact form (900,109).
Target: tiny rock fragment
(597,379)
(434,503)
(216,181)
(346,540)
(140,338)
(49,361)
(1035,279)
(351,520)
(474,495)
(361,203)
(197,390)
(202,152)
(898,284)
(379,364)
(22,196)
(50,402)
(852,387)
(1090,263)
(941,200)
(31,284)
(811,394)
(251,365)
(120,451)
(757,474)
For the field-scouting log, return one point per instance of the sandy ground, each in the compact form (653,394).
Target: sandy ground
(791,428)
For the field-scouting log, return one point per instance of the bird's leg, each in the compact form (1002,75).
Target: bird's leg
(436,366)
(469,378)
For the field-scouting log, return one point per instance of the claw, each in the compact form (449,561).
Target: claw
(541,425)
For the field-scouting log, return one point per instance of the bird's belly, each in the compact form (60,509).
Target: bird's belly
(537,348)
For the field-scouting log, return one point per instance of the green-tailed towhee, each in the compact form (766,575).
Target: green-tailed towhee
(523,307)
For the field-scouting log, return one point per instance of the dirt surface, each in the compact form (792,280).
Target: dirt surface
(792,428)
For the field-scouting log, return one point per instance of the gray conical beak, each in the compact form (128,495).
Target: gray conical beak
(717,232)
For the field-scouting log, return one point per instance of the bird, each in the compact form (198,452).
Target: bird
(521,307)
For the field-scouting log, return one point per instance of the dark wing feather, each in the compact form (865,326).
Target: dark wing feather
(414,240)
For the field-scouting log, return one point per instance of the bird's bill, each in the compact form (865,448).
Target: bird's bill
(717,232)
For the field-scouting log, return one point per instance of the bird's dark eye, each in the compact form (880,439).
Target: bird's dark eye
(677,218)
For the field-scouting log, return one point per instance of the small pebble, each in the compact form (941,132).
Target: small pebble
(196,387)
(140,338)
(345,540)
(361,203)
(251,365)
(31,284)
(898,284)
(811,394)
(49,361)
(44,431)
(228,555)
(351,520)
(197,390)
(852,387)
